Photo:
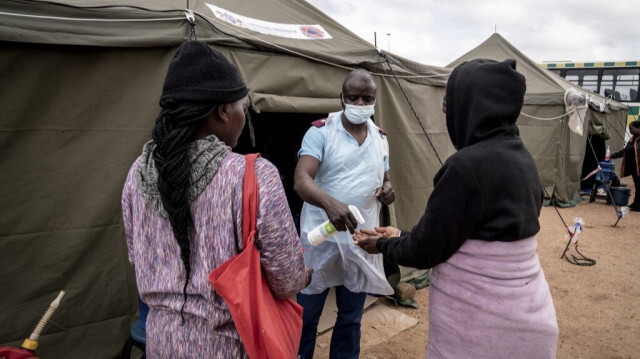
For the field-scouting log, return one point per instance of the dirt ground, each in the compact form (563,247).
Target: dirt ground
(597,306)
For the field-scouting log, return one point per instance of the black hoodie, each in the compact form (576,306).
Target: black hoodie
(489,189)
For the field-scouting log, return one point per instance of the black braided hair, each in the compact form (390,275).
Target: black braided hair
(172,133)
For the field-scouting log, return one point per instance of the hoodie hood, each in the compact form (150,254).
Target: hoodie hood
(483,101)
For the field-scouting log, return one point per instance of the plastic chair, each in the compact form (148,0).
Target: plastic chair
(137,338)
(137,333)
(603,180)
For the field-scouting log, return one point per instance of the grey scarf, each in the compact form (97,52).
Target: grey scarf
(205,156)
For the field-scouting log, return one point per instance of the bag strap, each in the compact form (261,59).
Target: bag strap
(250,198)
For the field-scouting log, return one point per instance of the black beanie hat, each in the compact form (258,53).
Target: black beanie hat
(198,73)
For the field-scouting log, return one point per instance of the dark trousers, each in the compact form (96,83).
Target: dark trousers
(636,197)
(345,340)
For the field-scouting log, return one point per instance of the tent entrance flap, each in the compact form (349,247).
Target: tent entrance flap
(289,104)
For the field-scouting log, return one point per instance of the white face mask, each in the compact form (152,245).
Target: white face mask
(358,114)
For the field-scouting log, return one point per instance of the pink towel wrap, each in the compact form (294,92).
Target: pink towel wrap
(491,300)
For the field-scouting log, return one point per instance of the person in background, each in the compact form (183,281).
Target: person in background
(343,161)
(182,210)
(488,296)
(631,162)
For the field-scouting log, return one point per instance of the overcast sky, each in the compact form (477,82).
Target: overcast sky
(438,32)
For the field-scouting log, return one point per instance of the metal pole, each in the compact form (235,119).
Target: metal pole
(388,42)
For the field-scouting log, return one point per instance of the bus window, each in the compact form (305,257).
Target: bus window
(574,78)
(620,84)
(556,71)
(590,80)
(606,85)
(585,78)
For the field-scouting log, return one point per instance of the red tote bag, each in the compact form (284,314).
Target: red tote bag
(268,327)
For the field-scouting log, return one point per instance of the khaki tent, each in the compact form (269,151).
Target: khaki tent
(80,84)
(544,125)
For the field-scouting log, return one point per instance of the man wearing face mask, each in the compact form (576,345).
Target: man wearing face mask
(343,161)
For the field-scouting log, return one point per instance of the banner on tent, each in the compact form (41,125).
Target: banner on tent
(292,31)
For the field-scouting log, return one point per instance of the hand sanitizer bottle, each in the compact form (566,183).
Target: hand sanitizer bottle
(322,232)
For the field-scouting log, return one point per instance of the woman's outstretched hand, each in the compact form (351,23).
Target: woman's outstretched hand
(367,239)
(388,232)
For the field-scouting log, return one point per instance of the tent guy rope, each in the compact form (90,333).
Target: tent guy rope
(411,106)
(618,211)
